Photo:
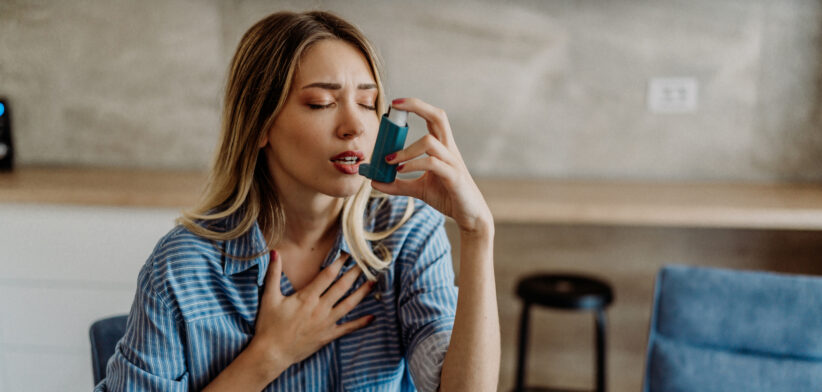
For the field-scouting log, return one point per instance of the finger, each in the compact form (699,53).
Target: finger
(351,326)
(435,118)
(429,164)
(352,300)
(427,144)
(273,276)
(401,187)
(341,286)
(325,277)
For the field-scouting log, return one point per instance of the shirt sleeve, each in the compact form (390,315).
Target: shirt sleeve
(150,356)
(428,300)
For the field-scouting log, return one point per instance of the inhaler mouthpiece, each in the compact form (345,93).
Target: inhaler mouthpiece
(398,117)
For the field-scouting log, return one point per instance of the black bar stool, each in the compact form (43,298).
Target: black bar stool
(563,291)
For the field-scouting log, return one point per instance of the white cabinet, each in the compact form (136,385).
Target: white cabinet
(61,268)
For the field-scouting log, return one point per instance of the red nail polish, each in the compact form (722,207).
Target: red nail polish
(399,168)
(398,101)
(390,157)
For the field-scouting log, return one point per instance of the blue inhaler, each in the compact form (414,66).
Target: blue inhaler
(391,138)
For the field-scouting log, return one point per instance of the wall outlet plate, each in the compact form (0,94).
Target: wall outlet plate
(672,95)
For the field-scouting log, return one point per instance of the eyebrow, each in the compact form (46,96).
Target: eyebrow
(337,86)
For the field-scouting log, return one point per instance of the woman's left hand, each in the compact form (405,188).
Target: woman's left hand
(446,184)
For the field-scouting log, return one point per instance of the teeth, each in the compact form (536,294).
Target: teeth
(347,160)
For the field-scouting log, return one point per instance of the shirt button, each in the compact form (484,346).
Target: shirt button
(378,296)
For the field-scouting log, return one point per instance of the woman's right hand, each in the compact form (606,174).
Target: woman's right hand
(291,328)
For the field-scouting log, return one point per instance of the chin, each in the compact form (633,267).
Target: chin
(345,187)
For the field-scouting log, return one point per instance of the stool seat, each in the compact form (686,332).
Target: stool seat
(565,291)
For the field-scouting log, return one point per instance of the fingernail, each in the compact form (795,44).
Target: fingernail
(390,157)
(398,101)
(399,168)
(273,254)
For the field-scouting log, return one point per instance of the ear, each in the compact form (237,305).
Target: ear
(263,141)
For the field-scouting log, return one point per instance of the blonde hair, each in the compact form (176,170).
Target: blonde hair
(258,83)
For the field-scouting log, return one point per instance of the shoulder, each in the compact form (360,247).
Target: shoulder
(178,256)
(180,244)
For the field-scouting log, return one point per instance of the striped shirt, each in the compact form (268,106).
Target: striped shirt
(195,309)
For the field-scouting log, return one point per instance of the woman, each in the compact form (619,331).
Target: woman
(288,275)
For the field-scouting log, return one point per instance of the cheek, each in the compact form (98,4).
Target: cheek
(296,136)
(300,146)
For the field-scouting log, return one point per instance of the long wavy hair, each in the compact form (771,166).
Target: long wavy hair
(258,84)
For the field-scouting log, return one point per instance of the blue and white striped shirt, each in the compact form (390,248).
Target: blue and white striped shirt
(195,308)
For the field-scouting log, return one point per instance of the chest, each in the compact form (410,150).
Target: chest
(302,266)
(371,358)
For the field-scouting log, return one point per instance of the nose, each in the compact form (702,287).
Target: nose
(351,124)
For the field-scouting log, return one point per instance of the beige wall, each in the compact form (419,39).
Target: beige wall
(547,89)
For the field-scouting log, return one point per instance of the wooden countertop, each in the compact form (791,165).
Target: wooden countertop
(106,187)
(718,205)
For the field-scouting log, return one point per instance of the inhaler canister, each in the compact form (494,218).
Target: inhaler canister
(390,139)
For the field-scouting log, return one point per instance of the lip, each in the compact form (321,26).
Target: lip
(349,153)
(348,169)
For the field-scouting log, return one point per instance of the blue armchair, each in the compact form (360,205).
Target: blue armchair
(104,335)
(724,330)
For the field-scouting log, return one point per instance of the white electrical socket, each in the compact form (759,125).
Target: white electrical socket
(672,95)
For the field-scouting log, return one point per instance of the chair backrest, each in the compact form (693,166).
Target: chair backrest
(104,335)
(724,330)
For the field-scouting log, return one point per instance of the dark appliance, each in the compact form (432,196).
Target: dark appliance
(6,149)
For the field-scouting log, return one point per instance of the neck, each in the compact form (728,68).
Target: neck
(310,220)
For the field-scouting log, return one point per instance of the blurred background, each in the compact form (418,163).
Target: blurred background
(533,88)
(625,90)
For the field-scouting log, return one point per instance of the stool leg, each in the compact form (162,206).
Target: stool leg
(600,315)
(523,343)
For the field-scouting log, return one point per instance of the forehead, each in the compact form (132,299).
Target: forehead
(333,60)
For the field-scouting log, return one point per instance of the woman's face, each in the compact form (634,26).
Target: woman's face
(328,124)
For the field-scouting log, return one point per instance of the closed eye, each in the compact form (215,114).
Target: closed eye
(315,106)
(369,107)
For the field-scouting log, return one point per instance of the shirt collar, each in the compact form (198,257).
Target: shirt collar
(246,251)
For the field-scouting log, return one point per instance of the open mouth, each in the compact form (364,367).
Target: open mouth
(348,162)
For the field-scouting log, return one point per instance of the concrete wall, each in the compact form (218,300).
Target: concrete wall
(548,89)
